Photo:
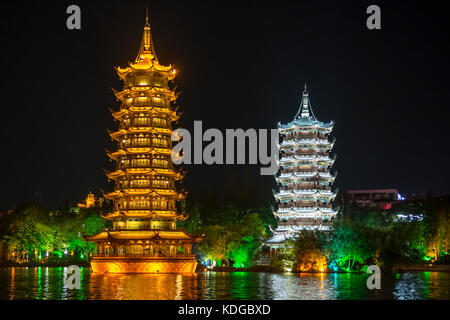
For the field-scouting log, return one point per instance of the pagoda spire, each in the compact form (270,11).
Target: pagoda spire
(147,49)
(305,110)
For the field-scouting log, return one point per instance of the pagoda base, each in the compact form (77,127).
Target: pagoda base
(143,265)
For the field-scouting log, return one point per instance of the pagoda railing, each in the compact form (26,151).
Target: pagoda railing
(306,136)
(305,221)
(148,165)
(305,188)
(180,229)
(312,170)
(130,255)
(170,186)
(150,103)
(313,205)
(147,144)
(311,152)
(149,207)
(150,122)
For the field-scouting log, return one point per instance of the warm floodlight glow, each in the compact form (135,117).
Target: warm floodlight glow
(144,238)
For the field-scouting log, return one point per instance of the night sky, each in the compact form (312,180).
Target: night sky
(242,64)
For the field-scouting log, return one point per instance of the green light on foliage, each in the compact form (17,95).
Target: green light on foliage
(243,254)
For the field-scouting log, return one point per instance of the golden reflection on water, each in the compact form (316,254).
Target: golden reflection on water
(143,286)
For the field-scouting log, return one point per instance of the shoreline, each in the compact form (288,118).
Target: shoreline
(266,269)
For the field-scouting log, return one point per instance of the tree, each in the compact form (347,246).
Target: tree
(349,247)
(309,252)
(285,257)
(93,224)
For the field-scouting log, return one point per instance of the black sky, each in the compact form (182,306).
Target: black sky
(242,64)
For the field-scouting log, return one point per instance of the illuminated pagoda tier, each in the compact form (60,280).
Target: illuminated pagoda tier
(144,238)
(305,193)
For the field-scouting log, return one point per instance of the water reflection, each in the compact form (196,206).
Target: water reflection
(425,285)
(143,286)
(47,283)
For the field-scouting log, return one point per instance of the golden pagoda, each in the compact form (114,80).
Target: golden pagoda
(144,238)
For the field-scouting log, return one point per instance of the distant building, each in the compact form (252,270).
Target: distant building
(374,198)
(88,202)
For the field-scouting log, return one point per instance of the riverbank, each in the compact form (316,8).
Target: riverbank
(84,264)
(395,269)
(421,268)
(266,269)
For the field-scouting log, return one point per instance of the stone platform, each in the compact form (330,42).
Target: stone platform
(143,264)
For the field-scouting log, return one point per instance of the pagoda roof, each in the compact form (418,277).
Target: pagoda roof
(306,175)
(307,212)
(306,157)
(134,150)
(131,130)
(142,213)
(141,192)
(287,193)
(151,109)
(279,238)
(283,233)
(305,117)
(305,122)
(176,174)
(143,235)
(146,59)
(128,93)
(309,142)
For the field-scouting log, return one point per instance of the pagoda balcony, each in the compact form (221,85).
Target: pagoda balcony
(305,222)
(144,166)
(311,143)
(303,190)
(149,207)
(294,187)
(118,228)
(143,187)
(309,170)
(311,136)
(146,102)
(145,144)
(149,122)
(312,205)
(311,152)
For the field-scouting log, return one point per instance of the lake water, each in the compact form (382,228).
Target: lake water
(47,283)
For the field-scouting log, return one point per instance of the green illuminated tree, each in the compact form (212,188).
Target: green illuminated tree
(349,247)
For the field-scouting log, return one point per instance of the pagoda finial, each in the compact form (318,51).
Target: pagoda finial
(305,110)
(147,50)
(146,12)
